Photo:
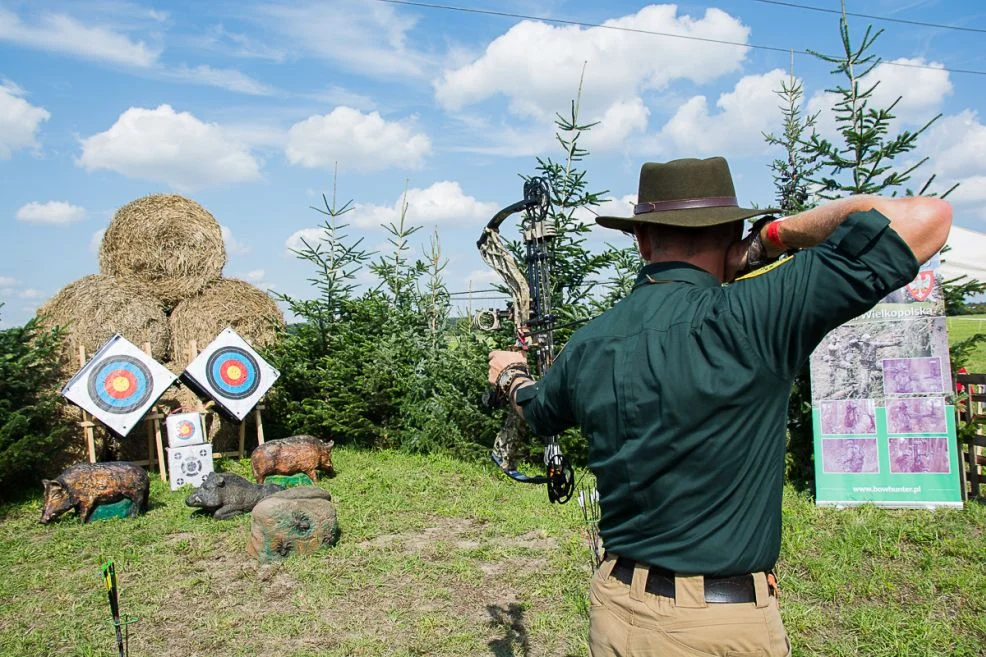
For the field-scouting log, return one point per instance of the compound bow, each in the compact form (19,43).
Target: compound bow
(534,323)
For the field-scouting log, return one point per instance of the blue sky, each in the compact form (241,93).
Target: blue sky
(246,107)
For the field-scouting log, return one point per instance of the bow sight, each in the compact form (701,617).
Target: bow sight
(533,321)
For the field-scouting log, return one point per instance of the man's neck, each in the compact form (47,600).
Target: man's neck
(713,262)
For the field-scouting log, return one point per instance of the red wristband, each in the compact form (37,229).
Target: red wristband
(773,235)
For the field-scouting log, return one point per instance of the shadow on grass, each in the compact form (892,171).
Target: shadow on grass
(515,642)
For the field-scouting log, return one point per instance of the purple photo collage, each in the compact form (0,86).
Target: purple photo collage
(905,376)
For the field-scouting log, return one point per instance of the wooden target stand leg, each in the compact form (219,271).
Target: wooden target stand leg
(153,428)
(193,351)
(88,426)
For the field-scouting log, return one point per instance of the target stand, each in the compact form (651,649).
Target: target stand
(118,386)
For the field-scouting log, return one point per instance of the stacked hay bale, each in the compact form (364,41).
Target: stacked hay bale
(161,262)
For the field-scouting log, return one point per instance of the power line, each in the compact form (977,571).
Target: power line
(870,16)
(562,21)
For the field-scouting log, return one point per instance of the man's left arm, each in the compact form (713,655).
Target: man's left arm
(543,405)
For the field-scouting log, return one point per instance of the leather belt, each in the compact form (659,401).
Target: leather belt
(739,588)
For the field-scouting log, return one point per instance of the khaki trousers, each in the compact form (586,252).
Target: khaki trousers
(626,621)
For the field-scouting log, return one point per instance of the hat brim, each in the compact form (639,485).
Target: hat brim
(692,218)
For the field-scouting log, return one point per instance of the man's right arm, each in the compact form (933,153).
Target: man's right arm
(788,310)
(922,222)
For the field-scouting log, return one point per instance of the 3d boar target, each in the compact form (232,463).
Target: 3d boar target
(231,373)
(118,385)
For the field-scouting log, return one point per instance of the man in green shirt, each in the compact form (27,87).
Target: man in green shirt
(682,389)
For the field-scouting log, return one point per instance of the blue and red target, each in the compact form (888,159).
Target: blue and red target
(185,429)
(233,373)
(120,384)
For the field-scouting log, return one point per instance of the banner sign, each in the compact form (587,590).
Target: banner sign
(231,373)
(118,385)
(882,404)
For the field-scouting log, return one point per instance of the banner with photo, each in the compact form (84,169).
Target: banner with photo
(882,404)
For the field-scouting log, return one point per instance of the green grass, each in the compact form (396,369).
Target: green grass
(965,326)
(440,557)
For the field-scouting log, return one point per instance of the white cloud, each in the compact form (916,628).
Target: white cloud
(253,276)
(442,202)
(614,207)
(7,281)
(170,147)
(224,78)
(310,235)
(619,121)
(19,120)
(96,240)
(62,33)
(30,293)
(922,92)
(743,114)
(361,142)
(957,145)
(233,247)
(537,66)
(481,279)
(50,212)
(366,37)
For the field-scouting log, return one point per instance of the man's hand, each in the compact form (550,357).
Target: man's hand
(500,360)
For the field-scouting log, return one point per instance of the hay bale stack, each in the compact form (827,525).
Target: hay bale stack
(168,243)
(95,307)
(251,312)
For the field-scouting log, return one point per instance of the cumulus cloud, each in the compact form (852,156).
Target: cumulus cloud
(19,119)
(7,281)
(169,147)
(233,247)
(742,115)
(358,141)
(621,65)
(62,33)
(96,240)
(922,91)
(614,207)
(256,277)
(442,202)
(957,148)
(50,212)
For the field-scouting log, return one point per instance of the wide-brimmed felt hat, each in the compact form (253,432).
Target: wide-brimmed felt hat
(690,192)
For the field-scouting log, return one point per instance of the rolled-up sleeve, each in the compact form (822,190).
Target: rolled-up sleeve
(786,311)
(546,404)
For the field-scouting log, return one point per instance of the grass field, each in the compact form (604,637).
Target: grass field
(965,326)
(441,557)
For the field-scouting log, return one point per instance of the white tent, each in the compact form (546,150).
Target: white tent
(967,254)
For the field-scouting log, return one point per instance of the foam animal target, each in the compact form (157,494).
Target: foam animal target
(118,385)
(232,374)
(185,429)
(189,465)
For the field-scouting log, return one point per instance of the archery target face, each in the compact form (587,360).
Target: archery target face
(185,429)
(189,465)
(118,385)
(232,374)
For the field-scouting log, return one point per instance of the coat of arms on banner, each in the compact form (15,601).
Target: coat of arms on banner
(922,286)
(232,374)
(185,429)
(118,385)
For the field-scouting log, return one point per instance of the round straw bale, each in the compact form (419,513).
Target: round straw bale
(95,307)
(168,243)
(250,311)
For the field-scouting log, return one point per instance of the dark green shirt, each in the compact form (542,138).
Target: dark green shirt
(682,389)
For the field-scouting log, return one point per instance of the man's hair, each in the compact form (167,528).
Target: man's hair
(687,240)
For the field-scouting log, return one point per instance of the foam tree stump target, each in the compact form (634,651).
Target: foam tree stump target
(118,385)
(232,374)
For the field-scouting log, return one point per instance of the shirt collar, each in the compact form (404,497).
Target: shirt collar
(677,272)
